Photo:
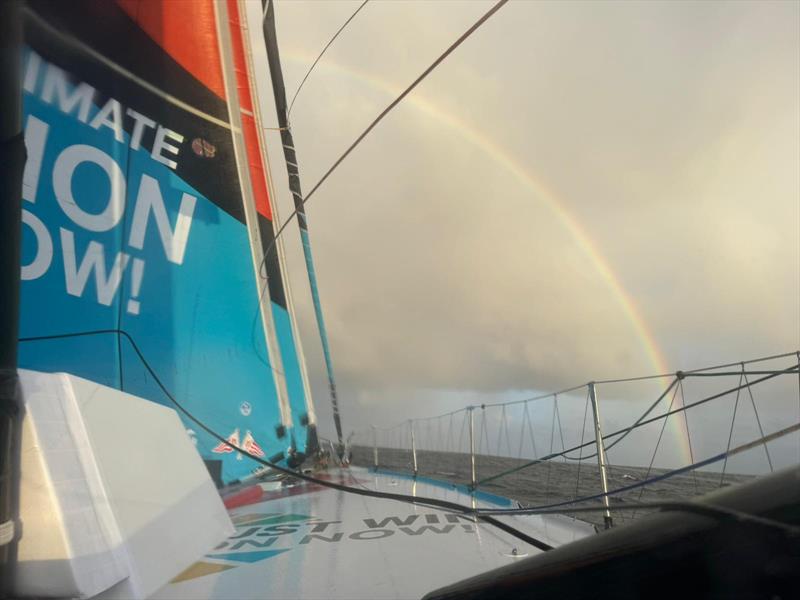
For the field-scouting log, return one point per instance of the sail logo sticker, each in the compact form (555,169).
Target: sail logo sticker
(249,445)
(203,148)
(245,408)
(93,206)
(233,440)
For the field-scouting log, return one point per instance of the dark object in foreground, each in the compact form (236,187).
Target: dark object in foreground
(669,555)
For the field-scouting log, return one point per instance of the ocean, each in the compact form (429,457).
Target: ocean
(552,482)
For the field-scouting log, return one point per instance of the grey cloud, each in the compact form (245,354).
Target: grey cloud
(671,132)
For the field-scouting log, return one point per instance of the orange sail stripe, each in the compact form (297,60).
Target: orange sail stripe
(257,174)
(186,30)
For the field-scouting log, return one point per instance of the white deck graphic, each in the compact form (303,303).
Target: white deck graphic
(305,541)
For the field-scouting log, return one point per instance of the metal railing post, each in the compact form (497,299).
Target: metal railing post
(601,454)
(413,446)
(375,447)
(472,449)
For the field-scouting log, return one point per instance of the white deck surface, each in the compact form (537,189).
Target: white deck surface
(304,541)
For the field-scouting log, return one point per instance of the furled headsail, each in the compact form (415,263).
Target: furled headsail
(146,212)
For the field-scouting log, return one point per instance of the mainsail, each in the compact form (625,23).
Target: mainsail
(145,216)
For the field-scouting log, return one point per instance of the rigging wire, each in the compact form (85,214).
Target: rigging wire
(420,500)
(580,459)
(328,45)
(710,510)
(690,373)
(552,435)
(658,443)
(486,515)
(669,474)
(640,423)
(379,118)
(730,433)
(688,435)
(758,421)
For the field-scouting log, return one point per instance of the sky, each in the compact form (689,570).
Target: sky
(581,191)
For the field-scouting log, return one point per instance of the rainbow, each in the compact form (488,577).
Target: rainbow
(571,224)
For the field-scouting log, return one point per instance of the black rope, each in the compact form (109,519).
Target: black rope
(423,501)
(345,24)
(379,118)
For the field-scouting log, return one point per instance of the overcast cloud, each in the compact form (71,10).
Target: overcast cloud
(668,132)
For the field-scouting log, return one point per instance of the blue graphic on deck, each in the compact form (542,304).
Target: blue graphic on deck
(249,557)
(114,240)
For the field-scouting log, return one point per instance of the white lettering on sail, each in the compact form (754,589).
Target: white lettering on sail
(160,145)
(63,171)
(149,200)
(36,132)
(139,124)
(110,116)
(57,90)
(97,208)
(44,248)
(57,87)
(93,260)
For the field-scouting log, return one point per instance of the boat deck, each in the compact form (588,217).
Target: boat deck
(306,541)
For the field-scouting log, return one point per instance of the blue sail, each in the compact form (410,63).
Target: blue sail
(139,224)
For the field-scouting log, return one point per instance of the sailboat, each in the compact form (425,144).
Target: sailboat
(166,444)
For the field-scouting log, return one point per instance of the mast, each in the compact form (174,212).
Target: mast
(279,91)
(312,442)
(12,161)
